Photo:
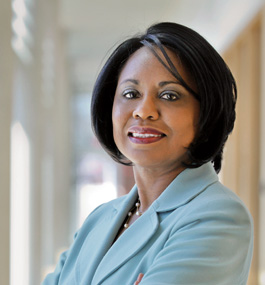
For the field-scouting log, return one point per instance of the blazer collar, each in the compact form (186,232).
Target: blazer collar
(186,186)
(128,200)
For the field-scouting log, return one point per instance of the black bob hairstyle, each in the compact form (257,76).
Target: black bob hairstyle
(216,90)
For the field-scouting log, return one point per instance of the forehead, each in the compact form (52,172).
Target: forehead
(145,61)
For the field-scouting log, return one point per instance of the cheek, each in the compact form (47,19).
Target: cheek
(114,111)
(196,119)
(185,128)
(192,120)
(117,110)
(120,113)
(115,124)
(118,121)
(115,114)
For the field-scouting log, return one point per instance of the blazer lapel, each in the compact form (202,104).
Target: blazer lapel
(142,229)
(101,238)
(184,188)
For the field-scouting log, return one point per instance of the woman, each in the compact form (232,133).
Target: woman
(164,103)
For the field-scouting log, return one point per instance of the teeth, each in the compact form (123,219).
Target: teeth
(137,135)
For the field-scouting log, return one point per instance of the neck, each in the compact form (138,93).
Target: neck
(151,183)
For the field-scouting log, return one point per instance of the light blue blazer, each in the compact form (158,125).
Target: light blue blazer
(196,232)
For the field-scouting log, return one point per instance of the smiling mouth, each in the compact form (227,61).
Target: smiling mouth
(139,135)
(145,137)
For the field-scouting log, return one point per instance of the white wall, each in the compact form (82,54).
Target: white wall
(219,21)
(40,170)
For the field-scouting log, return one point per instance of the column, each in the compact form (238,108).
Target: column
(6,64)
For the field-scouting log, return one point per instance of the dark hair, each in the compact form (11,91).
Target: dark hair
(216,90)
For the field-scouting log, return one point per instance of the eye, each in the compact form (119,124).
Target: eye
(170,96)
(130,94)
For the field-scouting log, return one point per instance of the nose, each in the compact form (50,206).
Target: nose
(146,109)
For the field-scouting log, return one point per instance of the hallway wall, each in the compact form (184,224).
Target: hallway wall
(243,164)
(6,69)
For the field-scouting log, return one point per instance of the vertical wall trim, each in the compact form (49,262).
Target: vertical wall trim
(6,60)
(262,155)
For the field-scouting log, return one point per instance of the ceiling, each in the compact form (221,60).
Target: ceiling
(92,28)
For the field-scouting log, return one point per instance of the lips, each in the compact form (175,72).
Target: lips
(143,135)
(138,135)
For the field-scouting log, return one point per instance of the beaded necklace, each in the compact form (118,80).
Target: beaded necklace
(138,213)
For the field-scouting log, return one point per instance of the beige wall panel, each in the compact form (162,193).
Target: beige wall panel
(241,167)
(230,163)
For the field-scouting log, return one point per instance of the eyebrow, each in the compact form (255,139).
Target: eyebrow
(161,84)
(134,81)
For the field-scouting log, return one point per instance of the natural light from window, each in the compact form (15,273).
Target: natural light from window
(20,197)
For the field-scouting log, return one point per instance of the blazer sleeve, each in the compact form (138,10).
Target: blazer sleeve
(65,265)
(54,277)
(213,246)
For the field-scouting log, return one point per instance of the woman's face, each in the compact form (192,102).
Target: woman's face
(154,117)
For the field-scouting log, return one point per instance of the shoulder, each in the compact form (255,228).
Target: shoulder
(219,199)
(219,211)
(197,194)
